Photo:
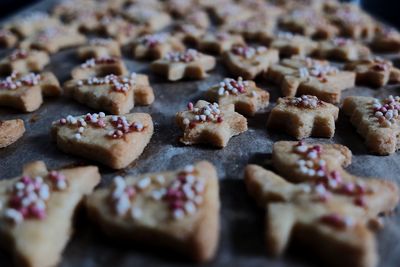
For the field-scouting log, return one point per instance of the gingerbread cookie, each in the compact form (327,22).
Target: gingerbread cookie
(248,62)
(182,206)
(29,24)
(115,141)
(290,44)
(328,211)
(386,41)
(54,38)
(341,49)
(198,18)
(306,76)
(24,61)
(377,120)
(219,42)
(206,123)
(37,211)
(116,94)
(245,95)
(187,64)
(11,131)
(7,38)
(304,116)
(155,46)
(225,13)
(376,72)
(99,67)
(99,48)
(308,22)
(25,91)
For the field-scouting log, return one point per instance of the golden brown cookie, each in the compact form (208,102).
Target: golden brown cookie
(306,76)
(115,141)
(99,48)
(176,210)
(206,123)
(249,62)
(304,116)
(24,61)
(187,64)
(37,210)
(11,131)
(116,94)
(245,95)
(99,67)
(25,91)
(377,120)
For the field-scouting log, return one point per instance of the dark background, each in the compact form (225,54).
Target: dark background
(386,10)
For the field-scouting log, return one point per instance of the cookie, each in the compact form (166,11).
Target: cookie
(330,213)
(38,208)
(188,33)
(119,29)
(99,67)
(219,42)
(31,23)
(116,94)
(304,116)
(206,123)
(11,131)
(155,46)
(244,95)
(53,39)
(99,48)
(182,207)
(198,18)
(353,22)
(25,91)
(375,72)
(153,19)
(249,62)
(341,49)
(376,120)
(187,64)
(386,41)
(115,141)
(308,22)
(7,38)
(290,44)
(24,61)
(306,76)
(228,12)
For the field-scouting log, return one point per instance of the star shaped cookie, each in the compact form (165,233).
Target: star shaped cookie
(115,141)
(11,131)
(219,42)
(249,62)
(7,38)
(155,46)
(187,64)
(375,72)
(99,48)
(25,91)
(24,61)
(177,210)
(245,95)
(290,44)
(341,49)
(206,123)
(304,116)
(99,67)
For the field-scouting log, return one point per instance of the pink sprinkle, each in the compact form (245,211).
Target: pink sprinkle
(190,106)
(63,121)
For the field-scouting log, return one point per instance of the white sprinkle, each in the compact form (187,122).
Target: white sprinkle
(122,205)
(190,207)
(78,136)
(189,168)
(13,215)
(178,214)
(160,179)
(143,183)
(136,213)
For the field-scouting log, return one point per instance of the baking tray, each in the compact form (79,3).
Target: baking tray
(242,225)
